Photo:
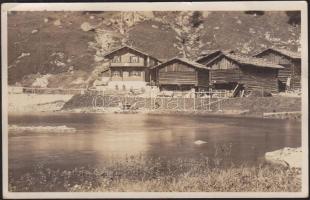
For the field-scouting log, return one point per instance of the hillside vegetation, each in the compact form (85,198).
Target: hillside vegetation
(69,45)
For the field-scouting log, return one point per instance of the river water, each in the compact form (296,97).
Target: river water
(103,137)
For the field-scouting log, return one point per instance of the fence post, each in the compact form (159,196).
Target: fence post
(209,103)
(194,101)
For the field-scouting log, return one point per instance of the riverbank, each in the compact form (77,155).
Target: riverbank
(135,174)
(244,107)
(25,103)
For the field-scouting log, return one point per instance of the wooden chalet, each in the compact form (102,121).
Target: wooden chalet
(180,74)
(289,77)
(229,71)
(129,64)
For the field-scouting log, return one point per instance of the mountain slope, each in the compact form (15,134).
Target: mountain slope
(62,43)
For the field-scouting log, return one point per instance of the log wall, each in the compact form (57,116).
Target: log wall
(254,78)
(177,74)
(225,75)
(292,67)
(224,63)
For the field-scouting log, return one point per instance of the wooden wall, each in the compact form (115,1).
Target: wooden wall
(225,75)
(296,78)
(145,62)
(125,58)
(149,74)
(292,67)
(224,63)
(176,73)
(252,77)
(274,57)
(125,74)
(256,78)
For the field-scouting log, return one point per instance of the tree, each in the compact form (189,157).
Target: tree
(197,19)
(188,27)
(294,17)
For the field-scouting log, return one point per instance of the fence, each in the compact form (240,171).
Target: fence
(165,100)
(176,94)
(33,90)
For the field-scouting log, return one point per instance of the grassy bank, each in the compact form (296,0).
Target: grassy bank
(137,174)
(259,105)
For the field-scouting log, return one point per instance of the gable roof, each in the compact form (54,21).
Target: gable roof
(285,52)
(246,60)
(132,48)
(183,60)
(210,53)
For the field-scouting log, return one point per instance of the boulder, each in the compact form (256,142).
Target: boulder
(57,22)
(86,26)
(289,157)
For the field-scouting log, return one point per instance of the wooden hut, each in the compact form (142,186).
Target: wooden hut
(130,64)
(180,74)
(289,77)
(230,71)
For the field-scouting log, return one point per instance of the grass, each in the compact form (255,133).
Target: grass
(255,105)
(141,174)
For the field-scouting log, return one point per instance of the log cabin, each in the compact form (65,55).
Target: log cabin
(130,64)
(289,77)
(180,74)
(228,71)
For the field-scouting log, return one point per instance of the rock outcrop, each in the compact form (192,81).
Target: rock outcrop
(289,157)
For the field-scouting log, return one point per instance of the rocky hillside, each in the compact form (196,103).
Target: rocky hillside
(62,49)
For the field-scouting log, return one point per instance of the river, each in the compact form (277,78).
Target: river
(103,137)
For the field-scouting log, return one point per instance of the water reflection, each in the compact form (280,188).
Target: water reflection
(101,138)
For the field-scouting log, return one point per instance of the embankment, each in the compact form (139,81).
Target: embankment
(259,105)
(36,102)
(250,106)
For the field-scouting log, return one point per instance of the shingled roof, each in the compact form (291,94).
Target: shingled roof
(183,60)
(285,52)
(132,48)
(247,60)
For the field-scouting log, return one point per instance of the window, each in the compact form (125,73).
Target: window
(135,73)
(116,59)
(116,74)
(134,59)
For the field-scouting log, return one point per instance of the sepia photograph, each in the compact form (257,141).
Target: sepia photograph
(154,99)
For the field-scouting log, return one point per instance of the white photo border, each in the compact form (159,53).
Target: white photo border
(158,6)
